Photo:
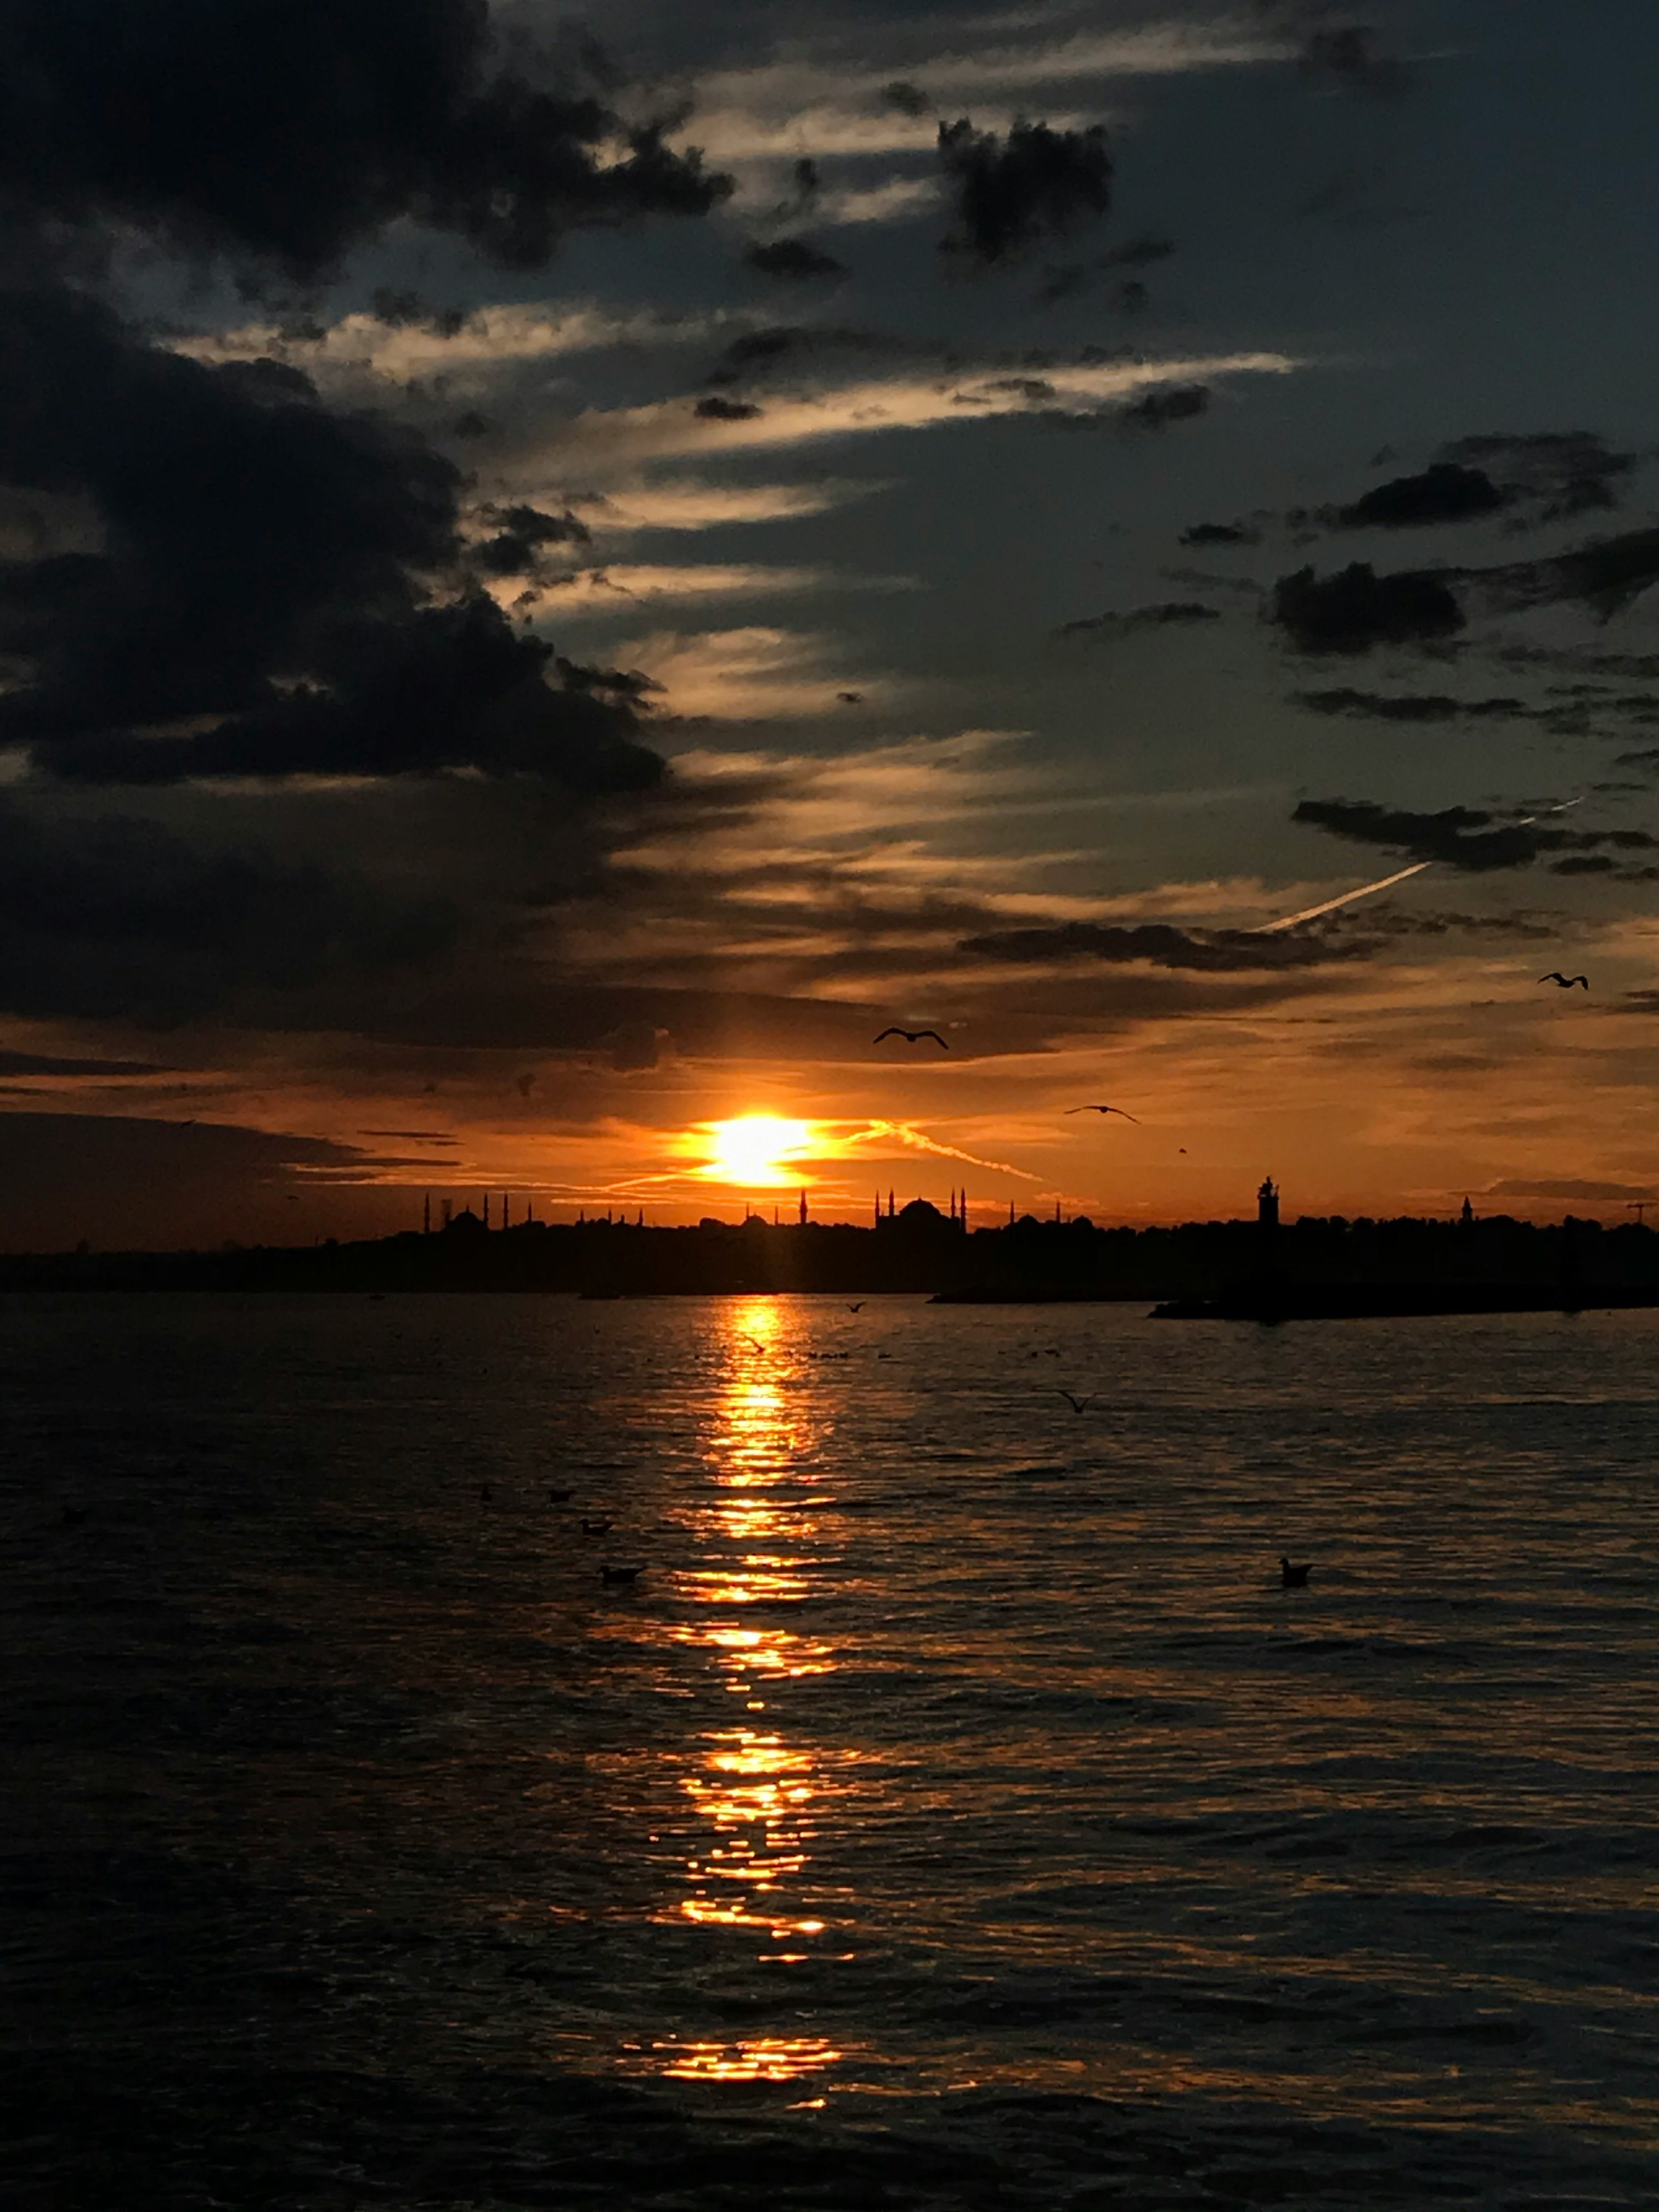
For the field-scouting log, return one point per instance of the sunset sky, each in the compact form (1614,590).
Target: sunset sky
(551,591)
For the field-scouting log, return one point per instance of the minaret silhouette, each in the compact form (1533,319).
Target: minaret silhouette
(878,1209)
(890,1201)
(802,1209)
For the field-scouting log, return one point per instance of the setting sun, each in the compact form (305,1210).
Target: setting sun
(755,1148)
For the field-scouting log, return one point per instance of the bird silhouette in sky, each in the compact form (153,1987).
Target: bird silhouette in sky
(1105,1109)
(914,1036)
(1294,1577)
(1077,1404)
(857,1308)
(1566,983)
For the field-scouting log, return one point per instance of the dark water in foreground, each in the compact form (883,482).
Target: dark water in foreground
(955,1813)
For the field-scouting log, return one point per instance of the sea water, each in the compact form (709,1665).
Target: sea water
(956,1810)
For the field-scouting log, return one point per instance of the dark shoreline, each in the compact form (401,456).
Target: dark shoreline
(1389,1302)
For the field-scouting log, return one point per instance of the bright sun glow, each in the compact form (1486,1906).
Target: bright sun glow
(756,1149)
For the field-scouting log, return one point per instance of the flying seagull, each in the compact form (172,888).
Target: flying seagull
(1294,1577)
(1105,1109)
(855,1308)
(914,1036)
(1077,1404)
(1566,983)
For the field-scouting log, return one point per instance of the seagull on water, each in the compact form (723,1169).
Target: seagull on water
(610,1574)
(1294,1577)
(601,1527)
(1566,983)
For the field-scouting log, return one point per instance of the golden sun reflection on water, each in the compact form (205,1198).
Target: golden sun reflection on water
(757,2059)
(756,1798)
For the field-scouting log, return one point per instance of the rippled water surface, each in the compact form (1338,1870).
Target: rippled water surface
(954,1812)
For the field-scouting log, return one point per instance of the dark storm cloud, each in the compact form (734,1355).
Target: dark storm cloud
(630,684)
(1531,479)
(714,409)
(259,575)
(1384,921)
(1221,533)
(402,310)
(453,687)
(785,343)
(794,259)
(1159,943)
(1168,614)
(1446,492)
(292,130)
(121,916)
(1469,838)
(1035,183)
(522,534)
(1604,576)
(1356,609)
(1165,403)
(1409,706)
(908,99)
(270,586)
(1555,474)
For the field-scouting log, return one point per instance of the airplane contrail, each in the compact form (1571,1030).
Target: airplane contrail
(1344,898)
(1383,882)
